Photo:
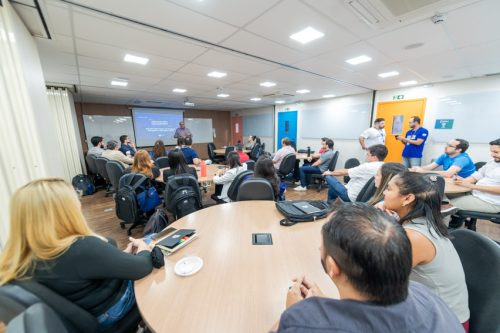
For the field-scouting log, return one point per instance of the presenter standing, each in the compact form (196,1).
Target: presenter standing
(414,142)
(182,131)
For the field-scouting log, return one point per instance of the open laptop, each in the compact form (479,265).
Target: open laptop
(306,207)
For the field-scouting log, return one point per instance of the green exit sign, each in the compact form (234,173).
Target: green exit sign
(396,97)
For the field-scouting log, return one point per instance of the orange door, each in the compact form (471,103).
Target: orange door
(237,129)
(397,114)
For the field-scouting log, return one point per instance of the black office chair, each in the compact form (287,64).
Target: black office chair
(255,189)
(350,163)
(367,191)
(331,167)
(91,163)
(36,318)
(479,165)
(287,166)
(211,154)
(255,152)
(232,191)
(115,171)
(263,146)
(472,217)
(480,258)
(101,169)
(250,165)
(228,150)
(162,162)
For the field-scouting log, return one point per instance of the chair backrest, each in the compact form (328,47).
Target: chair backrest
(255,152)
(367,191)
(180,181)
(36,318)
(115,171)
(91,162)
(480,258)
(162,162)
(333,162)
(438,181)
(232,191)
(250,164)
(479,165)
(263,146)
(350,163)
(210,149)
(255,189)
(101,167)
(287,164)
(228,150)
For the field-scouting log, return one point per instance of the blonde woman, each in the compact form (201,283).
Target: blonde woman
(51,242)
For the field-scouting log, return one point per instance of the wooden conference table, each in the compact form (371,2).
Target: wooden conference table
(222,151)
(211,170)
(241,287)
(451,188)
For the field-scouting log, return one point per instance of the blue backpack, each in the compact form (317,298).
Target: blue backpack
(83,183)
(148,199)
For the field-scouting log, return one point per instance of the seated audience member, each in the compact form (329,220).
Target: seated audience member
(189,153)
(264,168)
(485,184)
(159,150)
(318,153)
(144,165)
(98,145)
(225,177)
(317,167)
(455,161)
(384,174)
(417,202)
(368,258)
(127,147)
(252,140)
(65,255)
(285,149)
(178,165)
(112,153)
(375,156)
(243,156)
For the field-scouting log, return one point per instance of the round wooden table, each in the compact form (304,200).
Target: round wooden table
(222,151)
(241,287)
(451,188)
(211,170)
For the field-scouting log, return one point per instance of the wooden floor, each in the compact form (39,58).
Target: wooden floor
(100,214)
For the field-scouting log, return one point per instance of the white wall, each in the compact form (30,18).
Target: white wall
(27,130)
(477,151)
(268,140)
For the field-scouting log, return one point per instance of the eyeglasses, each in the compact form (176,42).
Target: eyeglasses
(451,146)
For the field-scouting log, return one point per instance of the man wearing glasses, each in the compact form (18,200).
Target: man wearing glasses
(455,161)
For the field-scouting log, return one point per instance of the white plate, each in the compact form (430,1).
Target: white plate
(188,266)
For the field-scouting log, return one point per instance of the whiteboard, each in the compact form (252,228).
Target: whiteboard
(109,127)
(476,117)
(201,128)
(259,125)
(336,121)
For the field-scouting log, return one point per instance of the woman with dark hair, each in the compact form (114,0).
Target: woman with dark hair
(384,174)
(417,201)
(159,149)
(225,177)
(251,142)
(178,165)
(264,168)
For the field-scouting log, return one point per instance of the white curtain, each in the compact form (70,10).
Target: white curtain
(63,109)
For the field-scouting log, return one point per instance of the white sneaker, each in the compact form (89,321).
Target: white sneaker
(300,188)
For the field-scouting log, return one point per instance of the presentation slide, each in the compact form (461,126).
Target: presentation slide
(154,124)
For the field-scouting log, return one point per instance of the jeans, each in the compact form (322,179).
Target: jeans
(305,171)
(412,161)
(336,189)
(118,310)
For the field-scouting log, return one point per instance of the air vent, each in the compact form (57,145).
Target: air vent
(278,94)
(154,102)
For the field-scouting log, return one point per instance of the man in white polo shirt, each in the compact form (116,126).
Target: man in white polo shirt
(374,135)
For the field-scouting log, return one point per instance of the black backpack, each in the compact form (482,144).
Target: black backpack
(156,223)
(182,195)
(127,208)
(83,183)
(293,214)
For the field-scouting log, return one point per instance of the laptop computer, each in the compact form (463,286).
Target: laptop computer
(306,207)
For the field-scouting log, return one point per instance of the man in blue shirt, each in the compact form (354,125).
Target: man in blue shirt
(189,153)
(455,161)
(414,142)
(127,147)
(368,257)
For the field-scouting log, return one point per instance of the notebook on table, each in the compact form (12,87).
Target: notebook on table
(177,240)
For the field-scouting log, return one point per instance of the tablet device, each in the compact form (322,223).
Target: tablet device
(306,207)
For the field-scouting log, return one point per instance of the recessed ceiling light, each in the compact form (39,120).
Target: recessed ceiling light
(267,84)
(413,46)
(222,95)
(328,95)
(135,59)
(216,74)
(188,103)
(307,35)
(408,83)
(358,60)
(256,99)
(303,91)
(279,102)
(179,90)
(388,74)
(120,83)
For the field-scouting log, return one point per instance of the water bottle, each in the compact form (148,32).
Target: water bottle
(203,168)
(308,151)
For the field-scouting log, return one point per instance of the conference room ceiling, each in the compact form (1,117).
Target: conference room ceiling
(249,40)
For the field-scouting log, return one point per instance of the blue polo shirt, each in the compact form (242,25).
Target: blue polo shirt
(124,148)
(189,154)
(415,151)
(463,161)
